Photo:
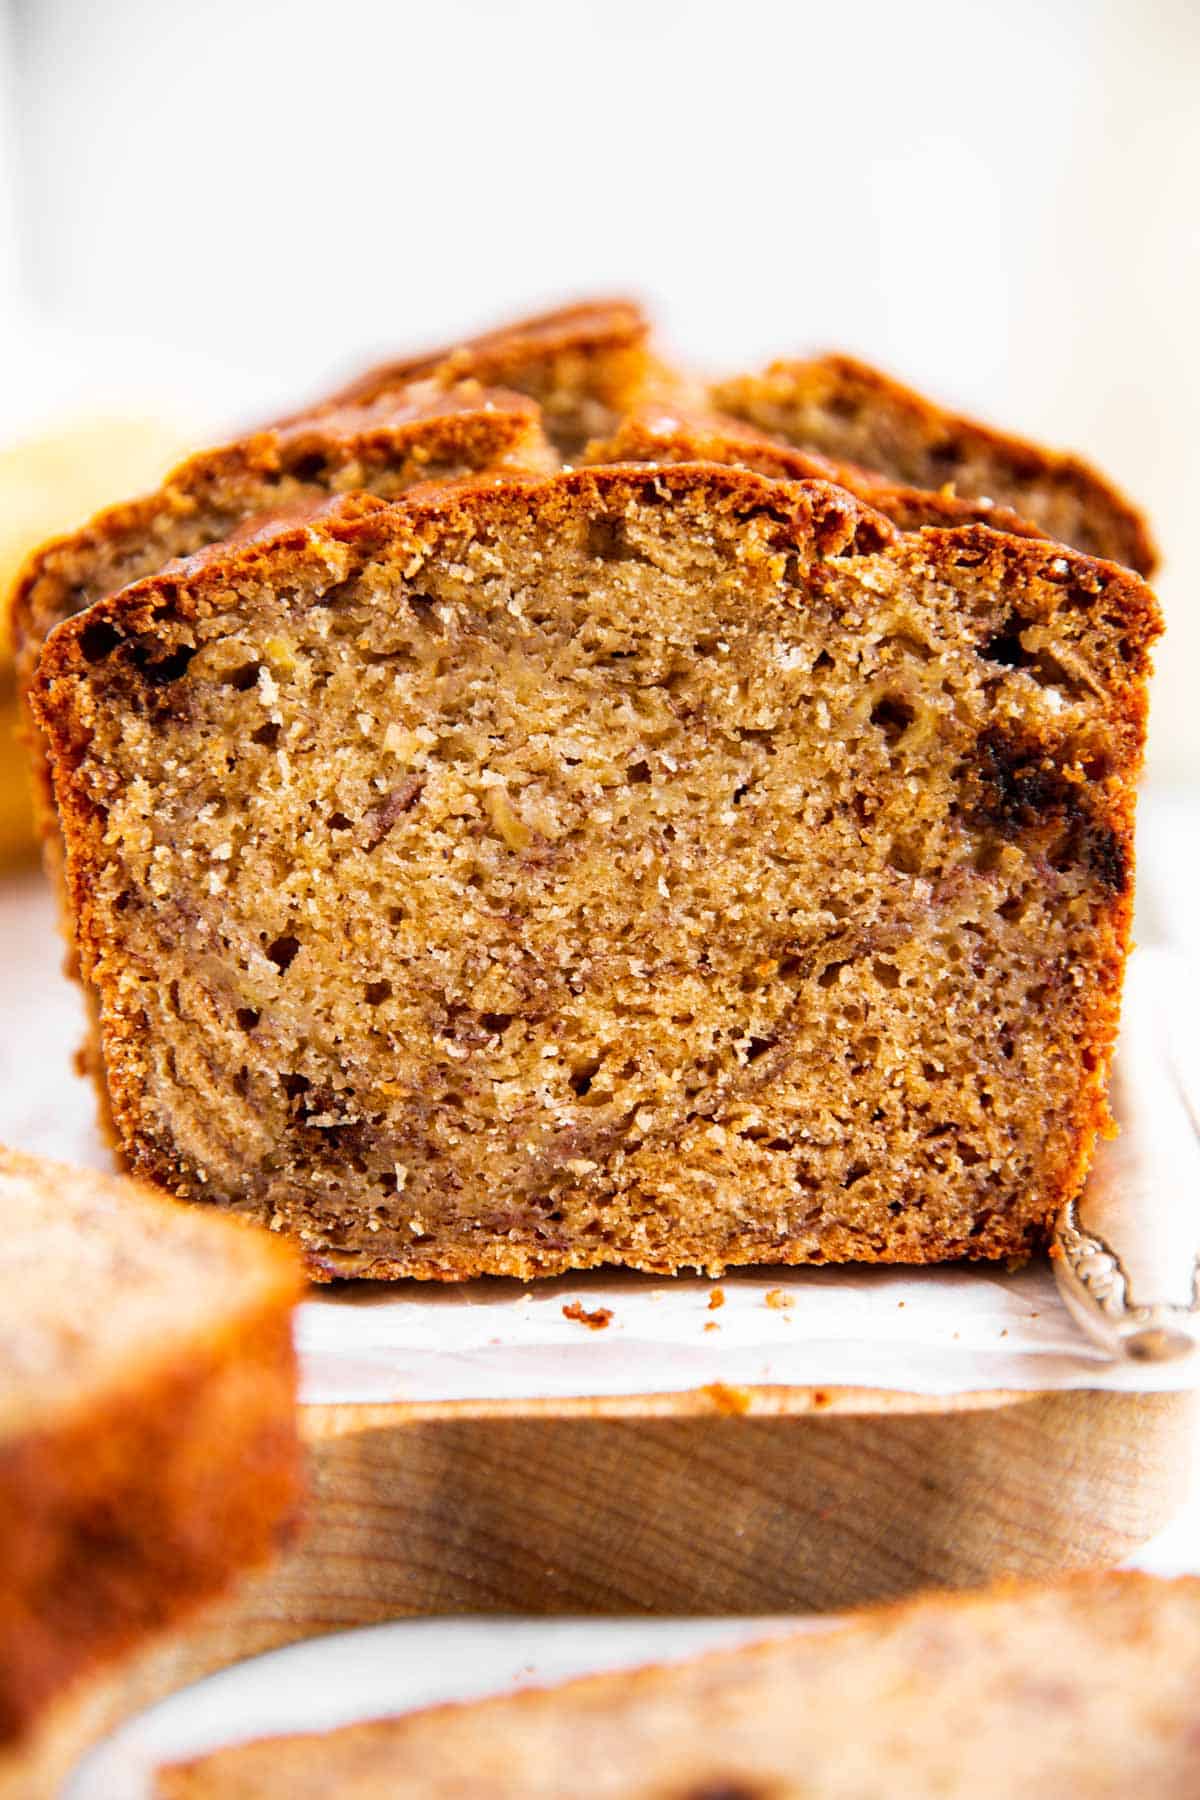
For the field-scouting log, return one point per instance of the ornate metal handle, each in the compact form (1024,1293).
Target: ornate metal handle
(1127,1250)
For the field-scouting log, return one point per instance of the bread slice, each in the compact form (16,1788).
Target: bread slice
(662,866)
(148,1445)
(1085,1691)
(666,431)
(583,364)
(853,413)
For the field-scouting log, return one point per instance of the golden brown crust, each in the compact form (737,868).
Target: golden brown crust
(847,409)
(156,1487)
(510,354)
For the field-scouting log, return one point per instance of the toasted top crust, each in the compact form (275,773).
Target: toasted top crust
(671,433)
(102,1275)
(395,438)
(850,410)
(590,327)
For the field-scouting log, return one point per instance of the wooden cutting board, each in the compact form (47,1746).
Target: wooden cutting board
(723,1500)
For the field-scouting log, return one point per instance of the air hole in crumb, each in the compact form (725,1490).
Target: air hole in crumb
(886,973)
(893,715)
(267,735)
(283,951)
(971,557)
(98,640)
(853,1174)
(295,1085)
(758,1047)
(830,973)
(339,822)
(158,671)
(583,1076)
(243,678)
(904,856)
(637,772)
(1005,646)
(606,540)
(823,661)
(377,992)
(496,1023)
(247,1017)
(309,468)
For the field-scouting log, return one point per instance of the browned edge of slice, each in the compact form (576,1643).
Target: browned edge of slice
(850,411)
(583,364)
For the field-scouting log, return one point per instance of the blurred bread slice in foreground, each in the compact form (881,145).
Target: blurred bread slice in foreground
(148,1444)
(1085,1690)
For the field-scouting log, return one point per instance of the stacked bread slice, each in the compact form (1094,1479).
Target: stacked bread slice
(148,1445)
(716,852)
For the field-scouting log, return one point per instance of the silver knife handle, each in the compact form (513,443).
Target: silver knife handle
(1126,1250)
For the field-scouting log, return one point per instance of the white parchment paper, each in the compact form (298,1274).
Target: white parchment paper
(928,1331)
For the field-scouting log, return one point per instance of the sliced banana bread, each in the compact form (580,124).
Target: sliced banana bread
(1089,1690)
(583,364)
(666,432)
(148,1446)
(659,866)
(851,412)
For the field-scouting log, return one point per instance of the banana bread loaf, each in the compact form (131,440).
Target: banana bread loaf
(851,412)
(663,866)
(148,1445)
(1083,1691)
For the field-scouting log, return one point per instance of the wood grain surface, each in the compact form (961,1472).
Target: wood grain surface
(718,1501)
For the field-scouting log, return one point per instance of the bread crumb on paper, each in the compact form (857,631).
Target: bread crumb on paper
(595,1320)
(726,1399)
